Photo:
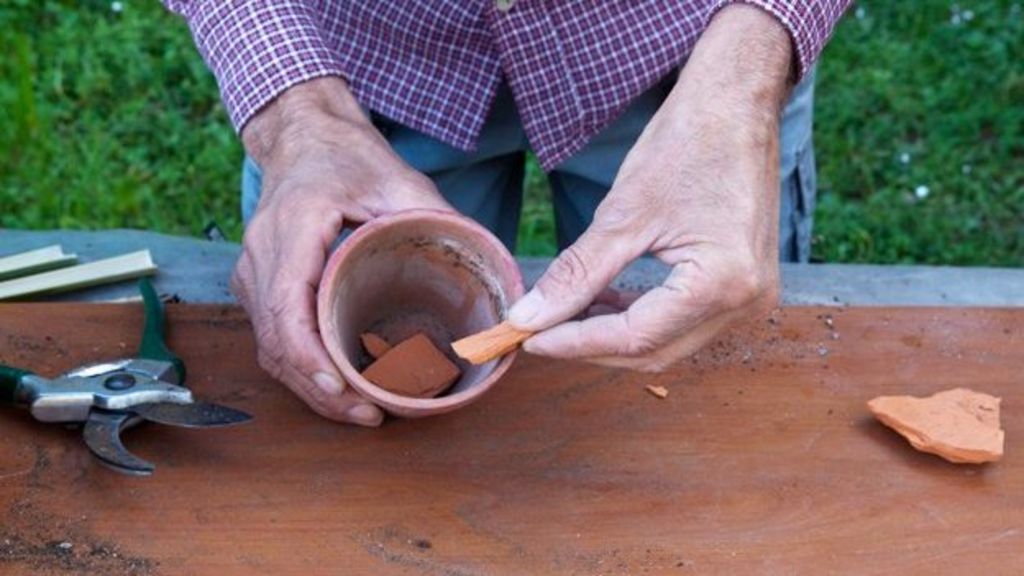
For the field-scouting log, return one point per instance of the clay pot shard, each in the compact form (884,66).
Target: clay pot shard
(658,391)
(415,368)
(375,346)
(495,342)
(959,425)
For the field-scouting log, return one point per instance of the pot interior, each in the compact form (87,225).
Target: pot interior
(421,276)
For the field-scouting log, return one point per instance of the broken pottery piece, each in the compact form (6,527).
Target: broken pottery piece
(659,391)
(959,425)
(414,368)
(375,345)
(495,342)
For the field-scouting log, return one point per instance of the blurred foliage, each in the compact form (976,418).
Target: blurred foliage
(920,135)
(109,118)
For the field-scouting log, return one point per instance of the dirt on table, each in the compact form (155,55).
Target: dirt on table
(36,541)
(45,544)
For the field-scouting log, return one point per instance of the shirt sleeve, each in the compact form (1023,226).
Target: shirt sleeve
(257,48)
(810,24)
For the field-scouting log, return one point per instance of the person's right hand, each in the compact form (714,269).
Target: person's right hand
(324,165)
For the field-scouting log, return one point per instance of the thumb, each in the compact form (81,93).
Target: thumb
(575,278)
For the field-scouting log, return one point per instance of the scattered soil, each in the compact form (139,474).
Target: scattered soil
(34,539)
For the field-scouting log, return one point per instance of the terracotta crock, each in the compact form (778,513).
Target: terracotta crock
(417,271)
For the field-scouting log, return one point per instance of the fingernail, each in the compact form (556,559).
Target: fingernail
(365,414)
(329,383)
(526,310)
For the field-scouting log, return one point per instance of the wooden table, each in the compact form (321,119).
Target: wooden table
(762,459)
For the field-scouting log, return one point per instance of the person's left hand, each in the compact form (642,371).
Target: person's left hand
(700,191)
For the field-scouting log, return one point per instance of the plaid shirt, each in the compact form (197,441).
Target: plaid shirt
(435,65)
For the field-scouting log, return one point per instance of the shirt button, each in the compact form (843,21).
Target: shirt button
(504,5)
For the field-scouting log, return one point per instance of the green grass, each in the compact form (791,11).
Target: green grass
(111,120)
(904,78)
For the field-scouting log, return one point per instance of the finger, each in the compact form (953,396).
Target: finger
(241,280)
(283,312)
(652,322)
(668,323)
(410,191)
(324,392)
(683,347)
(347,407)
(291,304)
(575,278)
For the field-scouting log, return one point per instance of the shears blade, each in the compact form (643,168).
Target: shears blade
(102,435)
(191,415)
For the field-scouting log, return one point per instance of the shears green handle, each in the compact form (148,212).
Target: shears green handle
(153,346)
(10,379)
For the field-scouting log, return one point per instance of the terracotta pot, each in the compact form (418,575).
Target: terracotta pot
(417,271)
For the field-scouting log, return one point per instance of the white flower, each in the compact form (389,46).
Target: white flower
(860,13)
(958,16)
(966,169)
(117,7)
(905,158)
(921,192)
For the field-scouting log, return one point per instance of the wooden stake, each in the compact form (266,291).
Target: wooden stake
(105,271)
(35,261)
(492,343)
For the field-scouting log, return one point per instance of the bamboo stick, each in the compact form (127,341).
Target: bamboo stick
(105,271)
(35,261)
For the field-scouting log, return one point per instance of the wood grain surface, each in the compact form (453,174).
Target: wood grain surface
(762,460)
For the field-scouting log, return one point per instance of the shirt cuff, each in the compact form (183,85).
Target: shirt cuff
(257,49)
(809,22)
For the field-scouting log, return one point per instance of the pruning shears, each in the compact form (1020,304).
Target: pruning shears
(108,397)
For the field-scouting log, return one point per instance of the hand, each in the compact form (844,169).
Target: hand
(323,165)
(700,191)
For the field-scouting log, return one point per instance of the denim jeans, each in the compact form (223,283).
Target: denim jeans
(487,183)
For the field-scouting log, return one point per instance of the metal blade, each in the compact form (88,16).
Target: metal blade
(191,415)
(103,437)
